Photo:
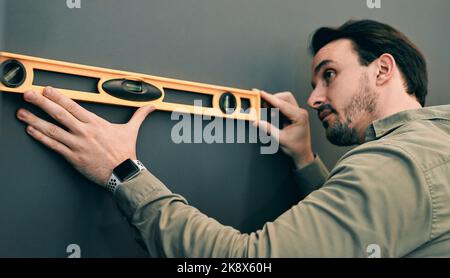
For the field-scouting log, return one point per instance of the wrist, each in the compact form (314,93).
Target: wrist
(304,159)
(125,171)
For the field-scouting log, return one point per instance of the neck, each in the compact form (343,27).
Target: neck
(387,107)
(396,105)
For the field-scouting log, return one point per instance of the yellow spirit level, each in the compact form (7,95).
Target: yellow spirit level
(18,74)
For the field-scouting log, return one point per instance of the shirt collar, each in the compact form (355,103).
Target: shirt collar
(380,128)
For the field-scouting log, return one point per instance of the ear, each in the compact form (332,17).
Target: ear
(386,68)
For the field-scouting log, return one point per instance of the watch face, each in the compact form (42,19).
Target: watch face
(126,170)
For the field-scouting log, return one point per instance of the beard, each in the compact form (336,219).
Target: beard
(362,103)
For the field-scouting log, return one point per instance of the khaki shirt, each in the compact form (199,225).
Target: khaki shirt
(388,197)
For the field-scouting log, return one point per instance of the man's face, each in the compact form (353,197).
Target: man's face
(343,93)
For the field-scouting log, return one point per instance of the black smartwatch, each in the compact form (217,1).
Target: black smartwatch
(125,171)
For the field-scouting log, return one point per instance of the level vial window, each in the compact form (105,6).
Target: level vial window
(133,86)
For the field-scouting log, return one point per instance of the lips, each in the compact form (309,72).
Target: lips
(324,114)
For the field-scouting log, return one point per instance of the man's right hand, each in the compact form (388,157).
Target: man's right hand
(295,138)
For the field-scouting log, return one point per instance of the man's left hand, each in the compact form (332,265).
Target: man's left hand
(91,144)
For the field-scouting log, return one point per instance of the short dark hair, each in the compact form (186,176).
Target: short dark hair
(371,39)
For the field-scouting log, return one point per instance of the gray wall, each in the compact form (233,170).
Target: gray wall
(47,205)
(2,26)
(2,21)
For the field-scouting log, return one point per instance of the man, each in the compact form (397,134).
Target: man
(392,192)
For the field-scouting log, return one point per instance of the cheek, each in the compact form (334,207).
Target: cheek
(337,98)
(341,92)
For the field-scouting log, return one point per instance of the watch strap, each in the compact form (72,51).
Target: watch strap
(114,181)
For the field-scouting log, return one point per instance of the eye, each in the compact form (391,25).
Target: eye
(328,75)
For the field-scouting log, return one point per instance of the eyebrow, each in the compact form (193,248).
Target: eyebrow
(321,65)
(318,68)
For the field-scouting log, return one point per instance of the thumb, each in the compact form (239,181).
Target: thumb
(140,115)
(268,128)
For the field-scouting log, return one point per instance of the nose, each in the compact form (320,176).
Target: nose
(316,99)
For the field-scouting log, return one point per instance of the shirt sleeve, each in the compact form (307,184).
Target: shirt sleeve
(312,176)
(375,196)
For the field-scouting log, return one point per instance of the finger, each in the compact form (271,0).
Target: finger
(54,110)
(49,142)
(288,97)
(69,105)
(291,111)
(268,128)
(49,129)
(140,115)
